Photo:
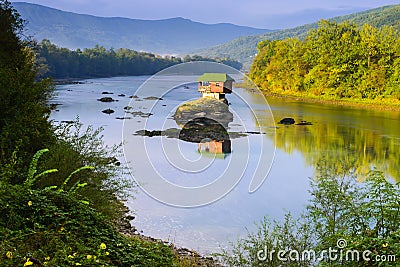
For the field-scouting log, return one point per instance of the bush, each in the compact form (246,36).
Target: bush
(59,230)
(103,187)
(343,214)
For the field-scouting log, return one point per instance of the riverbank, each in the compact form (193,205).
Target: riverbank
(381,104)
(377,104)
(45,227)
(183,256)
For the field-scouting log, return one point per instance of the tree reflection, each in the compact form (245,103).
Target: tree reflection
(343,138)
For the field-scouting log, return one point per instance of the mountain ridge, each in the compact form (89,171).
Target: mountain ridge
(165,36)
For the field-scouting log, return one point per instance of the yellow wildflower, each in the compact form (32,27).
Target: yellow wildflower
(9,254)
(47,258)
(107,253)
(29,203)
(89,257)
(385,245)
(77,264)
(70,256)
(28,262)
(103,246)
(62,228)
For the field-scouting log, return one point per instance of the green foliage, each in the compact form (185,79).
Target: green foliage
(11,26)
(335,61)
(58,230)
(100,62)
(81,157)
(73,188)
(31,177)
(255,249)
(364,214)
(24,127)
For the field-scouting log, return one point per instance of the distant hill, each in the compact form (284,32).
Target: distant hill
(243,49)
(168,36)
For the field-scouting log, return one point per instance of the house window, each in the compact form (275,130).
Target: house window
(217,84)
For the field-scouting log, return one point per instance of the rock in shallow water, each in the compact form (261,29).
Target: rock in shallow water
(287,121)
(203,108)
(108,111)
(106,99)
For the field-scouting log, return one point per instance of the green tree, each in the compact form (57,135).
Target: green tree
(334,61)
(361,216)
(24,127)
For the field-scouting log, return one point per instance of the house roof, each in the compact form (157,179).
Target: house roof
(214,77)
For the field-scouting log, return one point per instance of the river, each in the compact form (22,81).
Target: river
(339,136)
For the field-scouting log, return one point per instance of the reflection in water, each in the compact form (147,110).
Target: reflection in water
(211,136)
(215,147)
(344,138)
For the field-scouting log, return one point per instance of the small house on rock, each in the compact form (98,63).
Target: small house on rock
(215,85)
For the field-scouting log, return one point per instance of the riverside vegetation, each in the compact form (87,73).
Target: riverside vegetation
(336,61)
(362,216)
(61,63)
(60,186)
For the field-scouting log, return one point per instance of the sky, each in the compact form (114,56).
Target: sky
(265,14)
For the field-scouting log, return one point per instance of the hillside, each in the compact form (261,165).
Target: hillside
(243,49)
(168,36)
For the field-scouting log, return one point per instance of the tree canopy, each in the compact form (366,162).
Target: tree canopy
(101,62)
(335,61)
(24,127)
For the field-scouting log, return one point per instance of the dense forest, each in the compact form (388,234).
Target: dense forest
(334,61)
(60,63)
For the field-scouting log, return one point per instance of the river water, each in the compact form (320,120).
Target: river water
(339,137)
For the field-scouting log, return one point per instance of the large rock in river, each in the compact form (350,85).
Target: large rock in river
(203,108)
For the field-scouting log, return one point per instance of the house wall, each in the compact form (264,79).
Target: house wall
(217,87)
